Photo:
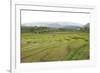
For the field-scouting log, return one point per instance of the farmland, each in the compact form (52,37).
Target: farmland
(54,46)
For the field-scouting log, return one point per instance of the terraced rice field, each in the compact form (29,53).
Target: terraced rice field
(55,46)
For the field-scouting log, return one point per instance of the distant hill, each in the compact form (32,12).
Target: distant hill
(54,24)
(54,27)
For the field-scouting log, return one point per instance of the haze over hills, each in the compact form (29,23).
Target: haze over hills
(54,24)
(52,27)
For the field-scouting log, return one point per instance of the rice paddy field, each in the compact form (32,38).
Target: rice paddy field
(55,46)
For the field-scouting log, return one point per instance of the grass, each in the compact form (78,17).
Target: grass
(56,46)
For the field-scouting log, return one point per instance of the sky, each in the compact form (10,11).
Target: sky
(40,16)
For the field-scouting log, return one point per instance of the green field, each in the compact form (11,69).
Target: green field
(55,46)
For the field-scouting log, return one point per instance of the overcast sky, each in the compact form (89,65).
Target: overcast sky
(40,16)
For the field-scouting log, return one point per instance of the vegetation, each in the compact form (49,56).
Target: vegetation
(40,44)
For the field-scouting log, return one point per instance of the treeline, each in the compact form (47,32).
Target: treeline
(47,29)
(85,28)
(35,29)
